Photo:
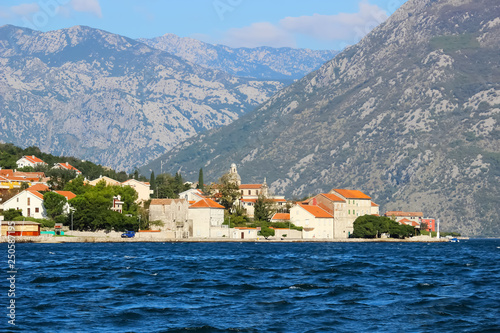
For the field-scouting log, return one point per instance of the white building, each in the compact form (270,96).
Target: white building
(192,195)
(316,222)
(30,202)
(66,166)
(207,216)
(30,161)
(143,189)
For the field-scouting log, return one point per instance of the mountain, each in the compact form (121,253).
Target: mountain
(261,62)
(409,115)
(110,99)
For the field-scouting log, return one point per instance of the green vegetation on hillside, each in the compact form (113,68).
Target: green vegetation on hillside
(453,43)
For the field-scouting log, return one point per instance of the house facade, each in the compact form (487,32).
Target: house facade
(207,217)
(30,201)
(67,166)
(30,161)
(174,214)
(316,222)
(143,189)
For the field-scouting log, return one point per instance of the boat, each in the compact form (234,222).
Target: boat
(454,240)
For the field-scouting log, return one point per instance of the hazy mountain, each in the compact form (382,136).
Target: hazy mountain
(409,115)
(110,99)
(260,62)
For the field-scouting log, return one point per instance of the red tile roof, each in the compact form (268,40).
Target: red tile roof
(316,211)
(206,203)
(332,197)
(33,159)
(374,204)
(250,186)
(165,201)
(249,200)
(36,193)
(352,194)
(67,166)
(67,194)
(39,187)
(281,216)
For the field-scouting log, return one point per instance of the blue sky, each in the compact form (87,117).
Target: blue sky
(315,24)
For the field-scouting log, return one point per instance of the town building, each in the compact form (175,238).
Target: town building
(143,189)
(207,217)
(251,192)
(21,228)
(107,180)
(430,222)
(30,201)
(280,217)
(30,161)
(12,179)
(315,221)
(192,195)
(67,166)
(173,213)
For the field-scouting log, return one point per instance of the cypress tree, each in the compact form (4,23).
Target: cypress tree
(152,181)
(200,180)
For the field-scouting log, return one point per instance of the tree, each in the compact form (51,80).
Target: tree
(11,214)
(24,186)
(229,191)
(54,204)
(59,178)
(370,226)
(266,232)
(263,208)
(152,181)
(77,185)
(201,184)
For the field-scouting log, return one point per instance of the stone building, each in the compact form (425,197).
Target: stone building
(174,214)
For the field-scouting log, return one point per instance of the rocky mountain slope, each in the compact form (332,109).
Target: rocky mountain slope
(409,115)
(110,99)
(262,62)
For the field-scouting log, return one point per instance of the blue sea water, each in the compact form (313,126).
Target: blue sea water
(256,287)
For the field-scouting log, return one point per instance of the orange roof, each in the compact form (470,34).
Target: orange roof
(281,216)
(404,220)
(278,200)
(317,211)
(39,187)
(206,203)
(165,201)
(67,194)
(250,186)
(352,194)
(33,159)
(249,200)
(36,193)
(67,166)
(374,204)
(332,197)
(245,228)
(400,213)
(6,172)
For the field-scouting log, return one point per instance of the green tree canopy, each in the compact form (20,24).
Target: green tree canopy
(371,226)
(229,191)
(263,208)
(11,214)
(54,204)
(201,183)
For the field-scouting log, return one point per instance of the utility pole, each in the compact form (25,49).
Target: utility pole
(438,236)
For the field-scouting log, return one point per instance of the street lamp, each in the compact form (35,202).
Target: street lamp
(72,210)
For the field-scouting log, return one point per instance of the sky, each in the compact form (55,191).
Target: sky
(313,24)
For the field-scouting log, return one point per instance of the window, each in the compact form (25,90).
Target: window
(29,212)
(37,210)
(29,201)
(249,192)
(257,192)
(242,192)
(349,211)
(17,199)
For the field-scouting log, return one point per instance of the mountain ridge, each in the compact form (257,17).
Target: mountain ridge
(264,62)
(96,95)
(409,115)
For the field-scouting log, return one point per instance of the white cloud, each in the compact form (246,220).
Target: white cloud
(89,6)
(25,9)
(343,28)
(258,34)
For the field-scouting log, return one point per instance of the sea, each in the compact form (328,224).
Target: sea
(254,287)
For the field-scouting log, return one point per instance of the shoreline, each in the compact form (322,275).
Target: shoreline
(90,239)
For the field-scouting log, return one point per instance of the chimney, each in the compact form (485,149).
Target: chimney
(33,156)
(67,163)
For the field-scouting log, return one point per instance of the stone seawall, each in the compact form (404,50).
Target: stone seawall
(158,237)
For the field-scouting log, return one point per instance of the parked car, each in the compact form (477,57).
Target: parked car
(128,234)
